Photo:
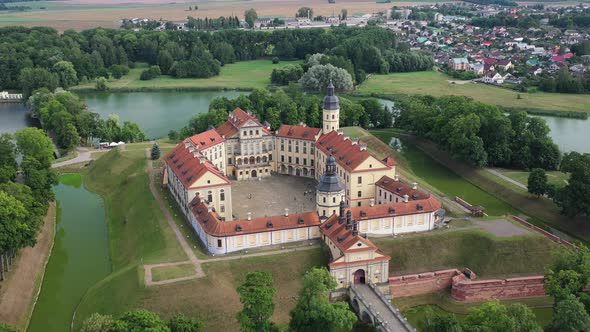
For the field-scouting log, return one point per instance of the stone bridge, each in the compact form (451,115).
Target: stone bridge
(374,308)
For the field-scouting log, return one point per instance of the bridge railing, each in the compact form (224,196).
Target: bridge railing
(379,321)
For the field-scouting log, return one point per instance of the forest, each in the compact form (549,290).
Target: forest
(33,58)
(480,134)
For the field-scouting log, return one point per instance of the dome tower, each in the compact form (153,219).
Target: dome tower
(330,191)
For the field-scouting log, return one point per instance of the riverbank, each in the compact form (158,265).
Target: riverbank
(436,84)
(19,292)
(239,76)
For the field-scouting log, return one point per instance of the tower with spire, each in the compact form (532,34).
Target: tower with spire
(330,191)
(331,112)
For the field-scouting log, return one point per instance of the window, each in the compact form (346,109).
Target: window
(290,159)
(270,157)
(358,204)
(222,195)
(282,159)
(230,161)
(360,180)
(359,193)
(297,160)
(222,208)
(305,161)
(311,162)
(324,199)
(333,199)
(209,196)
(296,149)
(256,131)
(208,181)
(218,243)
(332,116)
(289,148)
(282,147)
(250,132)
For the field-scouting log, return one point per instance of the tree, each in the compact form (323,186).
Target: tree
(256,296)
(165,61)
(573,199)
(537,182)
(250,17)
(440,323)
(173,135)
(12,226)
(68,138)
(66,73)
(318,77)
(314,312)
(155,151)
(8,164)
(101,84)
(304,12)
(570,316)
(31,79)
(140,321)
(495,317)
(131,132)
(98,323)
(32,142)
(275,60)
(117,71)
(181,323)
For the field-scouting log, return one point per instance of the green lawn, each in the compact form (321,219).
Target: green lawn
(138,231)
(555,178)
(485,254)
(435,83)
(417,307)
(171,272)
(244,75)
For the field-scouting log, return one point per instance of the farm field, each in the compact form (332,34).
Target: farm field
(86,14)
(244,75)
(435,83)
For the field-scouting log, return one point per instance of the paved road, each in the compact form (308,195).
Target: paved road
(378,306)
(504,177)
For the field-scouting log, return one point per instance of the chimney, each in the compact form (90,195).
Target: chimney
(372,202)
(340,131)
(354,141)
(414,185)
(348,219)
(342,207)
(286,212)
(249,216)
(209,208)
(406,197)
(201,158)
(363,146)
(396,177)
(355,228)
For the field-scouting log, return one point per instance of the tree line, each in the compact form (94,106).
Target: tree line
(480,134)
(23,204)
(288,106)
(563,82)
(32,58)
(66,117)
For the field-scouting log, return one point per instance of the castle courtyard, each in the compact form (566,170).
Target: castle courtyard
(270,196)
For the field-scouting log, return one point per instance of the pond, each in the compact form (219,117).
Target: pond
(79,258)
(155,112)
(568,134)
(13,117)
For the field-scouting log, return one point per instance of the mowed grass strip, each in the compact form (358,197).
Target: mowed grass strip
(244,75)
(213,299)
(138,231)
(556,178)
(171,272)
(485,254)
(436,84)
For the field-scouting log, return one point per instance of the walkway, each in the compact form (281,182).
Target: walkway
(199,273)
(84,155)
(504,177)
(378,307)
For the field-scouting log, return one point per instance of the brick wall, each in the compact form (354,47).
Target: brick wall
(550,236)
(464,289)
(423,283)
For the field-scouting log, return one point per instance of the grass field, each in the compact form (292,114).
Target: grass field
(435,83)
(171,272)
(556,178)
(416,308)
(137,229)
(244,75)
(486,255)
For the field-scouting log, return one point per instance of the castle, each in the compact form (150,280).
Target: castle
(356,195)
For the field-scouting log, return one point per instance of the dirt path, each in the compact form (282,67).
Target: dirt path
(20,289)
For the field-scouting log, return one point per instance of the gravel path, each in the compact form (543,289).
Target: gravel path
(504,177)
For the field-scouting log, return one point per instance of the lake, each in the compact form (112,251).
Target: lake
(79,259)
(155,112)
(13,117)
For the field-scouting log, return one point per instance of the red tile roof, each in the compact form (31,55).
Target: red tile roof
(429,204)
(215,227)
(206,139)
(236,120)
(344,238)
(188,167)
(389,161)
(399,188)
(349,156)
(298,131)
